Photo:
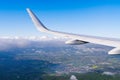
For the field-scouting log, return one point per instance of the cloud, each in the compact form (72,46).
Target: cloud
(44,38)
(108,73)
(73,77)
(7,42)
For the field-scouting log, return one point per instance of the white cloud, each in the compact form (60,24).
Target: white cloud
(73,77)
(108,73)
(8,42)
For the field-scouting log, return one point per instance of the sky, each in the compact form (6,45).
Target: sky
(88,17)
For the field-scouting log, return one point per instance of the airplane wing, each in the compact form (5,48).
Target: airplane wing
(77,39)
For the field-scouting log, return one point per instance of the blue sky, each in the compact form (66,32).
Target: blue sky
(89,17)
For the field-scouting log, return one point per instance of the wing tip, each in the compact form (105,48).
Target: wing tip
(36,21)
(28,9)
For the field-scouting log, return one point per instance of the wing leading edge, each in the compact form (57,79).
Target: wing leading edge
(91,39)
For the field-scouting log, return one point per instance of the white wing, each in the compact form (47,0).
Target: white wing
(83,38)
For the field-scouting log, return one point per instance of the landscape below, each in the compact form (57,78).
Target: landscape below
(39,59)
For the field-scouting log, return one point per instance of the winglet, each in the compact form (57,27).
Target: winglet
(36,21)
